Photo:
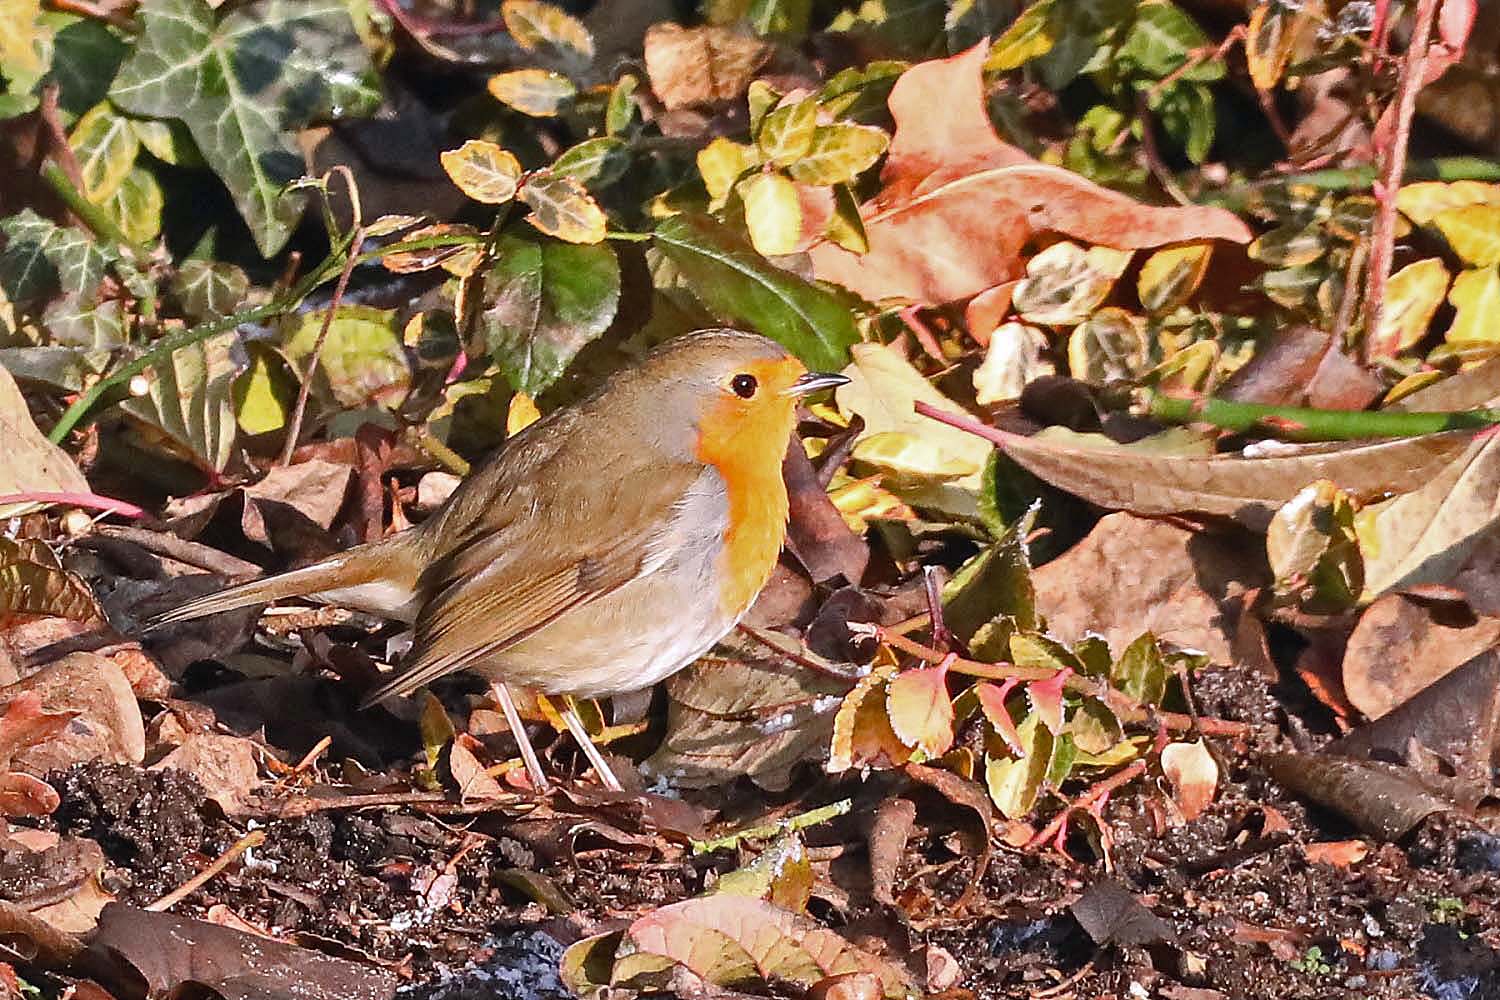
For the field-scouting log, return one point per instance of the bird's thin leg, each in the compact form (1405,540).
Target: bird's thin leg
(528,752)
(575,726)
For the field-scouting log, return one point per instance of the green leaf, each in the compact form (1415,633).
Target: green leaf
(40,256)
(620,110)
(859,93)
(596,163)
(540,93)
(207,290)
(1187,113)
(86,54)
(779,17)
(188,401)
(839,153)
(773,213)
(1160,40)
(243,84)
(548,300)
(1141,671)
(264,395)
(1029,36)
(137,204)
(363,362)
(846,226)
(168,140)
(741,286)
(105,147)
(1015,783)
(71,323)
(995,583)
(786,134)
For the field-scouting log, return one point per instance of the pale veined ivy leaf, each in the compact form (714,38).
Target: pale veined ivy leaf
(483,171)
(536,92)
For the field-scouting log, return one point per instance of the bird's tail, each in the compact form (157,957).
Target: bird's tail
(369,565)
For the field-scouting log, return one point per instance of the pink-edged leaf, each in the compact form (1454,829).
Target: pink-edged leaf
(992,704)
(920,709)
(1046,699)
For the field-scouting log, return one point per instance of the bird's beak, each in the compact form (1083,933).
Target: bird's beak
(812,382)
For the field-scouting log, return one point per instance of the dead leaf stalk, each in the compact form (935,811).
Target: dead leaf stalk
(1383,240)
(252,839)
(294,426)
(91,501)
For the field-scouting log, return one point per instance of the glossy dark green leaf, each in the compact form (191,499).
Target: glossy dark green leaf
(741,286)
(41,256)
(546,301)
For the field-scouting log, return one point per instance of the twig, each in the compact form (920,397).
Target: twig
(1154,162)
(196,554)
(445,456)
(92,501)
(54,948)
(1383,240)
(252,839)
(1350,299)
(62,150)
(1098,791)
(356,242)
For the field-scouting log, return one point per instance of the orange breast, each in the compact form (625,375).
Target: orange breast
(746,444)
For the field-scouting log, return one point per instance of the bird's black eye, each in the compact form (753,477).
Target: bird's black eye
(744,385)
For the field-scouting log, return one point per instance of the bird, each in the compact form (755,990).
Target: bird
(599,550)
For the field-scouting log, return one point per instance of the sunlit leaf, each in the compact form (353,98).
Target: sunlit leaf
(1475,297)
(920,709)
(1141,672)
(188,401)
(263,395)
(1412,296)
(1031,35)
(1169,277)
(105,146)
(1094,728)
(362,363)
(1424,201)
(209,289)
(1108,346)
(1473,232)
(543,26)
(137,205)
(839,153)
(1194,776)
(1313,550)
(786,134)
(540,93)
(33,464)
(594,162)
(34,582)
(773,213)
(483,171)
(168,140)
(41,256)
(1293,245)
(1013,782)
(1065,283)
(562,207)
(721,163)
(862,732)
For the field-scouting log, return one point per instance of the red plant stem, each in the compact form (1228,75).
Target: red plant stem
(1098,792)
(923,333)
(92,501)
(1119,703)
(1383,239)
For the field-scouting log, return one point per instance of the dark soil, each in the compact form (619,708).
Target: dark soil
(460,905)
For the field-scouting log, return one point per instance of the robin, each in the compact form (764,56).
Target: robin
(598,551)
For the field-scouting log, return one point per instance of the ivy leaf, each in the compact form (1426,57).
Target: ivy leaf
(105,145)
(40,256)
(188,401)
(741,286)
(786,134)
(839,153)
(137,205)
(243,84)
(86,54)
(483,171)
(561,207)
(547,301)
(540,93)
(209,289)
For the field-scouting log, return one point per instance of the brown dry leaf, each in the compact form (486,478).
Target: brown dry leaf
(108,725)
(225,765)
(1250,486)
(1337,853)
(33,582)
(1400,646)
(862,733)
(139,953)
(474,782)
(959,204)
(32,463)
(1194,775)
(704,65)
(726,940)
(1303,366)
(747,708)
(1424,536)
(1133,575)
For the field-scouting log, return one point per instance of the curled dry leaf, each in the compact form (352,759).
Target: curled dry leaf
(862,732)
(959,204)
(704,65)
(726,940)
(1194,775)
(1401,646)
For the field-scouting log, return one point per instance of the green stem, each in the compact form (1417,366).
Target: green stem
(1447,169)
(1299,423)
(445,456)
(172,342)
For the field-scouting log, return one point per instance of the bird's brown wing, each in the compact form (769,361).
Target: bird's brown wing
(520,570)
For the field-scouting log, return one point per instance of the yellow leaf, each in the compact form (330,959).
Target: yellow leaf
(562,207)
(862,499)
(20,31)
(786,134)
(534,25)
(1016,355)
(920,710)
(521,413)
(1029,36)
(105,146)
(1064,283)
(1411,297)
(772,213)
(1475,298)
(536,92)
(1276,31)
(1107,347)
(483,171)
(721,163)
(909,460)
(1169,277)
(1423,201)
(1473,232)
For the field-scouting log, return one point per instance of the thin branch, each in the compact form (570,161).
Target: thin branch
(1383,240)
(252,839)
(92,501)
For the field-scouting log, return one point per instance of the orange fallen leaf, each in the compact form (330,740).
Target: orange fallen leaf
(1338,853)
